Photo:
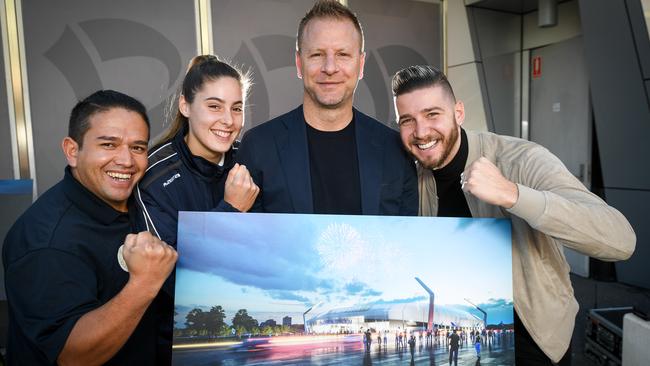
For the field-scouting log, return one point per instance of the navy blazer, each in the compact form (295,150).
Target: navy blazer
(277,156)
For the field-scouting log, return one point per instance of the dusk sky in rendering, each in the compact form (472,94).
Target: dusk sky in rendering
(283,264)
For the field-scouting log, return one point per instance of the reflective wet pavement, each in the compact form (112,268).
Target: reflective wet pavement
(346,352)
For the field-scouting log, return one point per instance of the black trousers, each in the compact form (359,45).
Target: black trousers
(528,353)
(453,355)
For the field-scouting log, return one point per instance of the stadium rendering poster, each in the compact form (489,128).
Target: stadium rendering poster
(267,289)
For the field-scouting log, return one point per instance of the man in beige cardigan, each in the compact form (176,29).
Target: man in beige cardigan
(481,174)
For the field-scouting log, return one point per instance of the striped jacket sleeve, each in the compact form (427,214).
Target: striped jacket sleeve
(156,216)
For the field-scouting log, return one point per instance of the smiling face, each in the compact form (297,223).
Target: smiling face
(113,157)
(429,124)
(330,62)
(216,116)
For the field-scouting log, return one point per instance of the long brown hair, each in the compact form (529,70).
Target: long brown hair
(201,69)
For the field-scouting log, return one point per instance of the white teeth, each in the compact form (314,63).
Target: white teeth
(427,145)
(222,133)
(120,176)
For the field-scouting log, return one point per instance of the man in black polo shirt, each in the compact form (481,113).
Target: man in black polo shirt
(70,300)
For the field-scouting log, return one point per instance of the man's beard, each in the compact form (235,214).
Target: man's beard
(449,144)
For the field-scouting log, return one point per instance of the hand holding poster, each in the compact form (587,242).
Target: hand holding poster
(323,289)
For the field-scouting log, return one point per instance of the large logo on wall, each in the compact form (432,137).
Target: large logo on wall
(69,55)
(110,40)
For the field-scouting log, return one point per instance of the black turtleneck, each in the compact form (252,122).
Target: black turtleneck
(451,200)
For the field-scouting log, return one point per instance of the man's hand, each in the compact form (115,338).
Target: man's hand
(150,260)
(240,191)
(100,333)
(484,180)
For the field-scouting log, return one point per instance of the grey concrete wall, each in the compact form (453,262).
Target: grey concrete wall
(497,35)
(568,26)
(622,117)
(618,93)
(464,66)
(639,13)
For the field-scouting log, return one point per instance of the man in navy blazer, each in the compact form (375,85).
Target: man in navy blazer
(325,156)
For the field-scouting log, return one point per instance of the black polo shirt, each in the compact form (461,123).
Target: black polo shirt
(60,260)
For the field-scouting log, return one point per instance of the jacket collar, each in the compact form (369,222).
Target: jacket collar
(294,154)
(293,151)
(369,153)
(198,165)
(474,147)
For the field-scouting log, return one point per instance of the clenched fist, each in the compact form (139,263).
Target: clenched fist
(485,181)
(240,190)
(149,260)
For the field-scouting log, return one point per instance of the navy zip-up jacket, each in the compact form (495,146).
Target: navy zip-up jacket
(176,181)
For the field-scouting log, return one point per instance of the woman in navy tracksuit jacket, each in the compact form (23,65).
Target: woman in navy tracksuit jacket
(192,167)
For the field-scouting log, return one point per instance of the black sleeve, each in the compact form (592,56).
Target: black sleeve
(48,290)
(156,216)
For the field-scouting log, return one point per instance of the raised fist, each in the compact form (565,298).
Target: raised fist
(240,190)
(485,181)
(149,260)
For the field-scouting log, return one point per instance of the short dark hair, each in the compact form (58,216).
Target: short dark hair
(418,77)
(328,9)
(100,101)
